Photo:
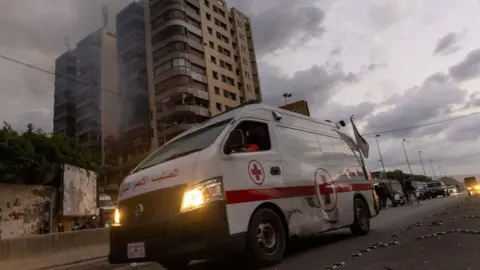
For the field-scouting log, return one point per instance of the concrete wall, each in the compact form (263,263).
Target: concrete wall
(22,208)
(47,250)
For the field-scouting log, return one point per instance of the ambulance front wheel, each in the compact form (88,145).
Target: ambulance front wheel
(361,223)
(266,238)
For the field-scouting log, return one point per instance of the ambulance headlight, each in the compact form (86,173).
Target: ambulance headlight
(202,193)
(116,217)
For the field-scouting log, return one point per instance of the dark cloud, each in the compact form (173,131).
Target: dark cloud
(468,68)
(418,105)
(447,44)
(315,84)
(283,24)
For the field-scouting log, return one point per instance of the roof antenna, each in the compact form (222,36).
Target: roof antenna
(105,15)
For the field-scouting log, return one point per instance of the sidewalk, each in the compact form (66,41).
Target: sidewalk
(449,239)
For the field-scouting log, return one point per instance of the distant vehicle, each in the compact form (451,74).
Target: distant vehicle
(472,185)
(437,188)
(452,189)
(106,205)
(398,198)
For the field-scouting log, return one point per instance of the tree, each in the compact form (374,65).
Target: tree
(34,157)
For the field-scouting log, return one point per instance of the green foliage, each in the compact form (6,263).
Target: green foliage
(400,176)
(34,157)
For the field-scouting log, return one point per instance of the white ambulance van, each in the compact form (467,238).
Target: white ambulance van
(247,180)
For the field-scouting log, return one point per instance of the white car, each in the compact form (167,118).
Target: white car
(452,190)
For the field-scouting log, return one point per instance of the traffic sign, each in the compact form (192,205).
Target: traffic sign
(300,107)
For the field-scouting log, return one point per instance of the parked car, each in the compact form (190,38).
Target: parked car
(437,188)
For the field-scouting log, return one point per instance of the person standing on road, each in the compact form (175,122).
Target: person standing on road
(405,189)
(383,195)
(409,190)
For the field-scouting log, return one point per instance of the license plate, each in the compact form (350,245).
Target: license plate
(136,250)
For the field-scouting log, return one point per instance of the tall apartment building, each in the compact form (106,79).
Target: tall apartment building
(64,97)
(132,64)
(134,141)
(201,62)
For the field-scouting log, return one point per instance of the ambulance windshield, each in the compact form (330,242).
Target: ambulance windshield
(190,143)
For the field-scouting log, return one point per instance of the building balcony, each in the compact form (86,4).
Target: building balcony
(177,93)
(183,109)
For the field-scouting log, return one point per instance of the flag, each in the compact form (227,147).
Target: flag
(361,142)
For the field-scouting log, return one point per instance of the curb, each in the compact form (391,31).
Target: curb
(72,263)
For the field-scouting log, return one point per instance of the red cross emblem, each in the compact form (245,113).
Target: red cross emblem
(256,173)
(327,190)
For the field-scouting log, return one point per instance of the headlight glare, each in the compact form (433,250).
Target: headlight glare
(116,217)
(201,193)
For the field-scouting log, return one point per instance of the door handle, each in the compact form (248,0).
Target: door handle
(275,170)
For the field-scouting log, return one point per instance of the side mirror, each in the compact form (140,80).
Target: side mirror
(236,140)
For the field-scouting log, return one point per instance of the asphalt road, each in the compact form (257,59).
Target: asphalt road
(324,250)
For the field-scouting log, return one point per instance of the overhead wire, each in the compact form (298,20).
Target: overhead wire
(127,96)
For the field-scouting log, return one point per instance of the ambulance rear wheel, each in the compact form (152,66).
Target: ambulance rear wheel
(361,223)
(266,238)
(174,264)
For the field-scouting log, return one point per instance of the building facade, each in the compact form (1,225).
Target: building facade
(202,62)
(64,98)
(97,97)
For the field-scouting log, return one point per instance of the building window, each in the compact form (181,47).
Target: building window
(207,3)
(215,75)
(213,60)
(219,107)
(210,43)
(228,80)
(209,17)
(210,30)
(171,64)
(217,90)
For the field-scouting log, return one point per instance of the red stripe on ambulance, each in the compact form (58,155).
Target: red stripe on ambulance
(265,194)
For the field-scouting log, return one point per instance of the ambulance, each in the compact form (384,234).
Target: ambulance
(246,181)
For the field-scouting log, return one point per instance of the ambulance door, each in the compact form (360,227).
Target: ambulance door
(333,183)
(252,173)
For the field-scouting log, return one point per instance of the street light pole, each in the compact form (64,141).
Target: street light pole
(421,162)
(433,169)
(406,157)
(381,158)
(285,96)
(440,171)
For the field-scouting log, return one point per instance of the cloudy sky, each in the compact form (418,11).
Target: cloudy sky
(392,64)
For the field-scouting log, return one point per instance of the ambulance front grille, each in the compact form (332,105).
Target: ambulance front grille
(157,205)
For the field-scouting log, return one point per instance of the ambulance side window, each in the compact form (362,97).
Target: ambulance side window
(256,136)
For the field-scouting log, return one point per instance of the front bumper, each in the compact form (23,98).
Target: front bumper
(198,234)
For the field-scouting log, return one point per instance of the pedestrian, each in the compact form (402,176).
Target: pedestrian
(385,195)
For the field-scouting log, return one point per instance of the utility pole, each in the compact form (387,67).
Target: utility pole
(406,157)
(381,158)
(433,169)
(421,162)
